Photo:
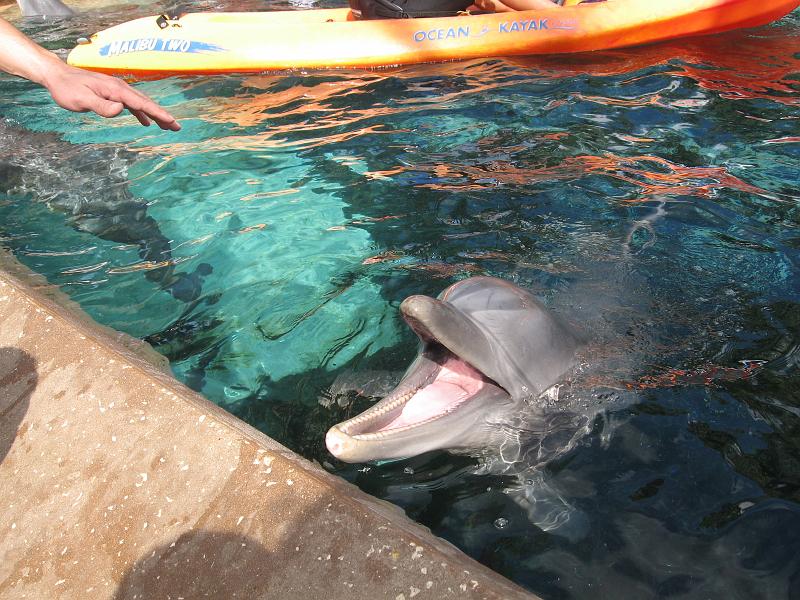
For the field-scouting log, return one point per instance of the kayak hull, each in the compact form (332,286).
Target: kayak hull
(211,43)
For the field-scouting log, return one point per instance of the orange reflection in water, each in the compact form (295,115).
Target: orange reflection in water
(441,270)
(707,375)
(761,63)
(435,268)
(651,174)
(338,102)
(328,108)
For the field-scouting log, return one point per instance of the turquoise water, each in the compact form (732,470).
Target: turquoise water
(651,195)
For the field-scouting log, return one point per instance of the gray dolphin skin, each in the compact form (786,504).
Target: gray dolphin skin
(487,346)
(44,8)
(89,184)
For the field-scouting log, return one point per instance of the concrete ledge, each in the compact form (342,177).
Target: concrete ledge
(117,481)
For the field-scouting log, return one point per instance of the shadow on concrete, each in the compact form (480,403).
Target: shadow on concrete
(18,379)
(202,564)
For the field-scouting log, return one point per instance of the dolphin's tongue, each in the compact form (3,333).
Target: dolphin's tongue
(454,383)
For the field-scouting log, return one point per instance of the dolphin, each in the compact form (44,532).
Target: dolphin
(89,184)
(44,8)
(487,347)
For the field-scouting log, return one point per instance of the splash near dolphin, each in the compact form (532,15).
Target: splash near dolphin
(487,346)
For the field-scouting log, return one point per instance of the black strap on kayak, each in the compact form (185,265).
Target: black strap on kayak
(407,9)
(167,18)
(397,12)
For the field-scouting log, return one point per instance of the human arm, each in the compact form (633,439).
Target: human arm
(76,89)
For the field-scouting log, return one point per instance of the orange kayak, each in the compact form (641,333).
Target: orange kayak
(208,43)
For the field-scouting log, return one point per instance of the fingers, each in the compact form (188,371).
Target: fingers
(108,109)
(142,117)
(147,114)
(142,107)
(79,90)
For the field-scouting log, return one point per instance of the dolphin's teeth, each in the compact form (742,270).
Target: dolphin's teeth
(388,405)
(386,433)
(378,410)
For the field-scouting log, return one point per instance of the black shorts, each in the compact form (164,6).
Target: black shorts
(407,9)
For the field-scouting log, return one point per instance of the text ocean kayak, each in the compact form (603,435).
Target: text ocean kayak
(207,43)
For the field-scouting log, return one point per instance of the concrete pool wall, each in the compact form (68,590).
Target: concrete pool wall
(117,481)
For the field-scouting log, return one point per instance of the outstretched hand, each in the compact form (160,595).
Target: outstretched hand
(76,89)
(84,91)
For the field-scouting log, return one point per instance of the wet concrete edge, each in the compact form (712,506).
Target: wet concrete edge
(380,552)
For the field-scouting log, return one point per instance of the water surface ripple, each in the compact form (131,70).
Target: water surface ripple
(649,195)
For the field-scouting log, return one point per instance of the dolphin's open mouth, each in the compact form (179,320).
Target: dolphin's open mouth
(441,384)
(450,383)
(454,383)
(485,345)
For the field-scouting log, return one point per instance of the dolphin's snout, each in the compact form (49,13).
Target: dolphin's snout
(417,312)
(417,307)
(336,442)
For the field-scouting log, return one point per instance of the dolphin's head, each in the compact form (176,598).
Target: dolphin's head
(486,346)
